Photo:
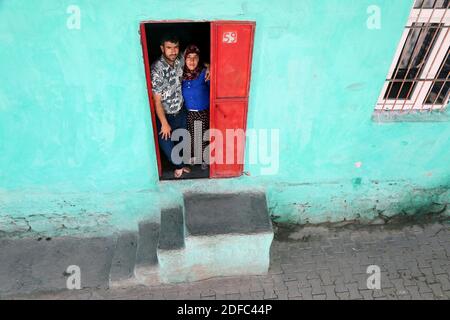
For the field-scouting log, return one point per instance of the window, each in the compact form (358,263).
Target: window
(418,79)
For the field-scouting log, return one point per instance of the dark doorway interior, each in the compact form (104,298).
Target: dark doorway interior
(197,33)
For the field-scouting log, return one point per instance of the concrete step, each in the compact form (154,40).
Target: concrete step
(212,235)
(172,230)
(222,214)
(171,247)
(224,235)
(124,260)
(137,255)
(146,265)
(48,264)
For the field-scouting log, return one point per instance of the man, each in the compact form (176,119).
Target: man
(166,73)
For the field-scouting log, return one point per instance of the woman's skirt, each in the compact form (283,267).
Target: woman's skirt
(198,124)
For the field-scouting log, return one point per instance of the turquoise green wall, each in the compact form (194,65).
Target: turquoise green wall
(75,123)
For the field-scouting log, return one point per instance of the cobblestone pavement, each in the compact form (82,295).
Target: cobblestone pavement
(323,263)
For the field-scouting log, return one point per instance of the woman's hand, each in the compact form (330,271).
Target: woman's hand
(208,73)
(165,131)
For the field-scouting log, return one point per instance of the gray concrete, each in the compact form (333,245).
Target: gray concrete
(27,265)
(215,214)
(226,235)
(323,262)
(124,259)
(147,244)
(172,229)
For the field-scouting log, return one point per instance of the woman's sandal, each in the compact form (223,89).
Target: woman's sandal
(187,170)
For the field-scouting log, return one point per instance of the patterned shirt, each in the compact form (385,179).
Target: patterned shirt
(166,81)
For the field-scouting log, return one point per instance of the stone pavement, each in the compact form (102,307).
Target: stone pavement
(323,262)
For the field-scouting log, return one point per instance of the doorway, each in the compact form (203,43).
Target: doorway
(197,33)
(228,47)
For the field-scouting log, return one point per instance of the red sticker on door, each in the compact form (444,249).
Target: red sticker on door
(230,37)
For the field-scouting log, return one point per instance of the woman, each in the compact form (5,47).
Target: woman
(195,90)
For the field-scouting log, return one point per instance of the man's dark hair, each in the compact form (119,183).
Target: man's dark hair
(168,37)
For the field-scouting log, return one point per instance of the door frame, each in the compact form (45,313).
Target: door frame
(143,36)
(213,67)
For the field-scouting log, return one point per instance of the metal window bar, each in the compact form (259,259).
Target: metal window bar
(428,4)
(418,56)
(425,40)
(421,27)
(444,69)
(426,57)
(446,100)
(417,80)
(415,57)
(397,69)
(432,63)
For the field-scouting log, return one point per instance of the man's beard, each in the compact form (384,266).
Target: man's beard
(171,57)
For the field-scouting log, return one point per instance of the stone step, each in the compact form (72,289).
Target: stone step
(49,264)
(224,235)
(146,265)
(171,247)
(124,260)
(212,235)
(234,213)
(172,229)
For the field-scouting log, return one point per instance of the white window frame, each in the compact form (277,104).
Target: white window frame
(431,68)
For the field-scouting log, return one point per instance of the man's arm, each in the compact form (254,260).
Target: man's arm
(158,85)
(165,127)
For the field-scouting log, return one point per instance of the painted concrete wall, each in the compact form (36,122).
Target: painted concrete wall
(75,132)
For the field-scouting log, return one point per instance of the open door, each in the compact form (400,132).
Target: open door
(231,60)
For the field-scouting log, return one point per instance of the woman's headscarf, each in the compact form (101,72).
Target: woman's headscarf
(188,74)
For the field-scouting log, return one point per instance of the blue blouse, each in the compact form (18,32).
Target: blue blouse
(196,93)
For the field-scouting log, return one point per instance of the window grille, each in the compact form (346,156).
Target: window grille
(418,79)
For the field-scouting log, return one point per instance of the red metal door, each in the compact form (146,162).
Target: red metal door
(231,60)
